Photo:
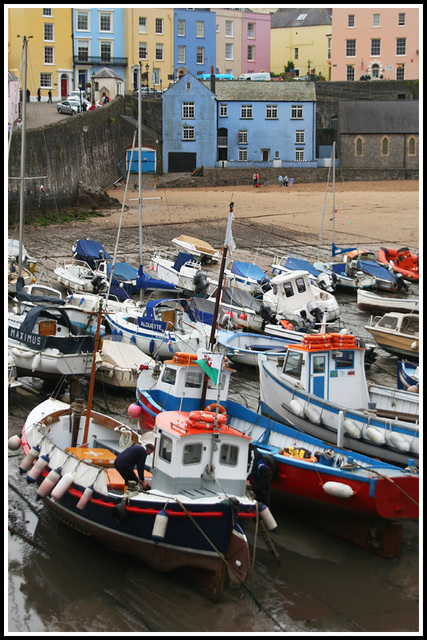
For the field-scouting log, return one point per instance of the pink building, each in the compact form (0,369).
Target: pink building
(256,42)
(379,42)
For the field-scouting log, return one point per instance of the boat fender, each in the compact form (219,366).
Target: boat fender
(297,408)
(120,513)
(86,496)
(62,486)
(38,467)
(398,441)
(413,388)
(14,443)
(48,483)
(159,527)
(351,428)
(271,463)
(134,410)
(338,489)
(36,362)
(414,345)
(29,459)
(267,517)
(312,414)
(375,435)
(24,354)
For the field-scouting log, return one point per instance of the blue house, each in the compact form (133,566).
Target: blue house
(98,41)
(239,124)
(194,41)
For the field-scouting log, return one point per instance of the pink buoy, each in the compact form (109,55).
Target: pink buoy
(134,410)
(38,467)
(14,443)
(48,483)
(29,459)
(62,486)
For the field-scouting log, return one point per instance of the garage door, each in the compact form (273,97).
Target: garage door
(181,161)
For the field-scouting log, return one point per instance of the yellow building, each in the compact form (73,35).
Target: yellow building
(301,36)
(49,52)
(149,40)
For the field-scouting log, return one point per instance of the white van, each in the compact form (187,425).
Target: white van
(255,76)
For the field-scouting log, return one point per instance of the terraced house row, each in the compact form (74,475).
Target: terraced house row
(70,47)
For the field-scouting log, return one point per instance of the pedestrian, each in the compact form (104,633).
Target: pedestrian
(9,128)
(49,94)
(126,461)
(286,181)
(19,124)
(259,476)
(84,106)
(291,182)
(255,178)
(39,94)
(92,106)
(28,95)
(280,180)
(265,181)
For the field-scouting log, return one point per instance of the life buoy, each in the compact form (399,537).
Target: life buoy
(205,419)
(213,407)
(184,358)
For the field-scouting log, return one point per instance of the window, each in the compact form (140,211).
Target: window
(350,48)
(82,21)
(165,448)
(200,55)
(159,26)
(329,47)
(412,147)
(200,29)
(271,111)
(375,70)
(188,133)
(169,375)
(229,455)
(188,110)
(228,28)
(105,48)
(194,379)
(296,112)
(223,111)
(299,154)
(229,52)
(48,32)
(142,25)
(292,366)
(350,72)
(143,51)
(192,453)
(319,364)
(296,53)
(46,81)
(181,54)
(288,289)
(376,47)
(344,360)
(277,155)
(401,21)
(155,75)
(350,22)
(400,72)
(82,50)
(181,28)
(243,137)
(385,146)
(246,111)
(358,147)
(251,53)
(47,13)
(188,86)
(401,46)
(265,155)
(302,17)
(251,30)
(105,22)
(300,137)
(159,51)
(48,55)
(376,20)
(243,155)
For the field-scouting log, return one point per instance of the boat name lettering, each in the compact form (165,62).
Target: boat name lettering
(30,339)
(156,325)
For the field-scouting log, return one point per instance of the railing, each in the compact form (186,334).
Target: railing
(82,59)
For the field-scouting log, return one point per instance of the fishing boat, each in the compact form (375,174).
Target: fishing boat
(401,261)
(181,270)
(120,364)
(366,261)
(321,388)
(397,333)
(77,275)
(198,248)
(370,301)
(322,279)
(243,348)
(408,376)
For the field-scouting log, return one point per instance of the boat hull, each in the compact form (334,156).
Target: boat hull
(396,345)
(368,301)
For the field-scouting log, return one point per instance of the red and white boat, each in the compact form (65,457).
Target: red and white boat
(402,261)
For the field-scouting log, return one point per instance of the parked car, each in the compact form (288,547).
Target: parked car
(148,92)
(76,100)
(76,94)
(68,106)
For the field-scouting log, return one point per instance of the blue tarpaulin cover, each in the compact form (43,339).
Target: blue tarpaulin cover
(247,270)
(376,270)
(299,264)
(88,250)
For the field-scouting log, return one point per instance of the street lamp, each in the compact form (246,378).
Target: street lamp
(147,66)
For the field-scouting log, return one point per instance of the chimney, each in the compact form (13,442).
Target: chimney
(212,80)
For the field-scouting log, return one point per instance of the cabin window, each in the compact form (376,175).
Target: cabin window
(388,322)
(300,285)
(344,360)
(292,366)
(319,364)
(169,375)
(193,379)
(287,287)
(410,325)
(165,448)
(229,455)
(192,453)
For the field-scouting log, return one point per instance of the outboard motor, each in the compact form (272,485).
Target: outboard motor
(401,282)
(325,282)
(97,284)
(314,310)
(200,282)
(267,314)
(265,284)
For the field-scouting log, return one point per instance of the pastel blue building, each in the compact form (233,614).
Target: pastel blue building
(238,124)
(194,41)
(98,42)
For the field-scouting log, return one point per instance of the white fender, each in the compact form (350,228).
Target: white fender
(160,524)
(267,517)
(48,483)
(414,345)
(62,486)
(338,489)
(375,435)
(351,428)
(23,353)
(87,493)
(296,407)
(29,459)
(14,443)
(36,362)
(398,441)
(38,467)
(312,414)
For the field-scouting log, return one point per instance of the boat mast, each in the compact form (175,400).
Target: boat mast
(333,194)
(23,153)
(140,170)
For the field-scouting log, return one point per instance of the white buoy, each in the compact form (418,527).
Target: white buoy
(62,486)
(29,459)
(38,467)
(160,524)
(48,483)
(338,489)
(312,414)
(398,441)
(297,408)
(414,345)
(14,443)
(267,517)
(375,435)
(36,362)
(351,428)
(87,493)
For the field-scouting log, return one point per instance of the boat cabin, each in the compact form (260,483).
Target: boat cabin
(329,366)
(292,291)
(198,460)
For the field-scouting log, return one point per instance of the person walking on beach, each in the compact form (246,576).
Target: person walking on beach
(265,181)
(28,95)
(255,179)
(39,94)
(280,180)
(49,94)
(286,181)
(291,182)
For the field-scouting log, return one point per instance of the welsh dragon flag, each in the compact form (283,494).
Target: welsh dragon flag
(210,363)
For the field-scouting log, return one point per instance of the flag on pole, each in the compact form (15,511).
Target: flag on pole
(229,242)
(210,363)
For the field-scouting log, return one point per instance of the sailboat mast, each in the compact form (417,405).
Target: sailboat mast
(140,168)
(23,154)
(333,194)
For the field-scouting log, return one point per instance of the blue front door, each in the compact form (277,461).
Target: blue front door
(317,374)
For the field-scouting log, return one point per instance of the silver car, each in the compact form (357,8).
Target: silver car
(67,106)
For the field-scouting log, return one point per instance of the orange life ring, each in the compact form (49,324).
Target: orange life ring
(184,358)
(206,417)
(214,405)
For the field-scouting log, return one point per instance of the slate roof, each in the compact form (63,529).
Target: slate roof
(263,90)
(378,116)
(105,72)
(289,17)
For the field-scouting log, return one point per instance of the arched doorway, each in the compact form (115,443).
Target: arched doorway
(64,86)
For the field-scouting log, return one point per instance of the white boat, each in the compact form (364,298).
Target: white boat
(243,348)
(198,248)
(76,275)
(120,364)
(291,295)
(245,276)
(397,333)
(13,247)
(13,275)
(369,301)
(321,388)
(12,376)
(285,264)
(181,270)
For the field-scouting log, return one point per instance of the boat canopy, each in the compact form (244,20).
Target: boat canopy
(90,251)
(145,282)
(182,258)
(299,264)
(247,270)
(24,296)
(376,270)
